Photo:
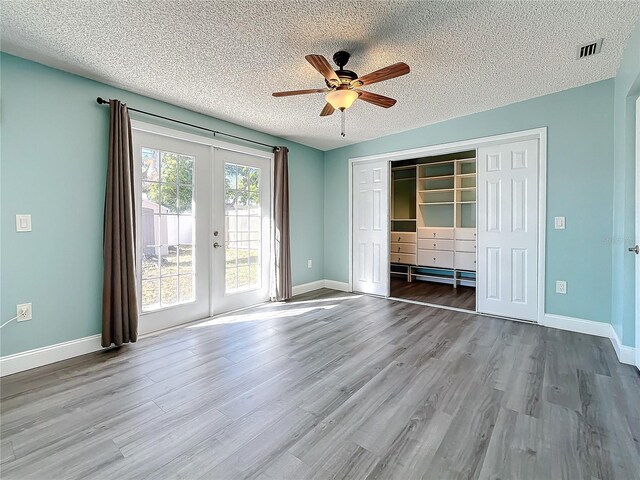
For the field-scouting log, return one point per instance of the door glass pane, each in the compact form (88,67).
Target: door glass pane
(185,256)
(168,291)
(167,229)
(151,294)
(243,224)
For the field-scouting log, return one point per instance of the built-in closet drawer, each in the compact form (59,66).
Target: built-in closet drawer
(435,258)
(465,261)
(465,246)
(403,237)
(465,233)
(403,258)
(429,244)
(442,233)
(403,248)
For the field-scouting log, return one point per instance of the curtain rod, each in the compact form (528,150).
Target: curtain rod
(102,101)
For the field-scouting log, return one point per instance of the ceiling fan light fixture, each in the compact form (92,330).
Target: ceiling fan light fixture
(341,99)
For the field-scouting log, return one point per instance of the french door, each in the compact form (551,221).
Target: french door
(241,230)
(203,229)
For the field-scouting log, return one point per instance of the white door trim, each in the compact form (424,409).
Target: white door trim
(536,133)
(637,233)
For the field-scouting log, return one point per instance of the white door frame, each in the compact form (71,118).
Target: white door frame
(214,143)
(539,134)
(637,233)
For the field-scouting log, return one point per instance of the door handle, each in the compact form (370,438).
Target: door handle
(635,249)
(217,245)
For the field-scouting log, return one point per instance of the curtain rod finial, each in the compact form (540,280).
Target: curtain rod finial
(101,100)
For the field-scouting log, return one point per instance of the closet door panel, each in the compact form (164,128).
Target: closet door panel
(508,230)
(370,237)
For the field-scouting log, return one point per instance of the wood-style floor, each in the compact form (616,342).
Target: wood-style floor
(328,386)
(434,293)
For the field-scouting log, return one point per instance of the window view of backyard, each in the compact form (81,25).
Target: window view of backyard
(167,225)
(243,228)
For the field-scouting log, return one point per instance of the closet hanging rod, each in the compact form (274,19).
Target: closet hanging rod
(102,101)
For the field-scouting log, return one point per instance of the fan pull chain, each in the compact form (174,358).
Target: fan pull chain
(342,123)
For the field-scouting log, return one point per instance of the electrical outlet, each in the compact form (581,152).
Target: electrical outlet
(23,312)
(559,223)
(561,286)
(309,264)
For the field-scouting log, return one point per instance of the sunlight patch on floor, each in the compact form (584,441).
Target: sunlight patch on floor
(258,316)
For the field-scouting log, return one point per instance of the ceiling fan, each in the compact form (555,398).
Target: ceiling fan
(343,85)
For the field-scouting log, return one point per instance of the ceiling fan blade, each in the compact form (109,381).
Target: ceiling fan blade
(322,65)
(299,92)
(379,100)
(327,110)
(386,73)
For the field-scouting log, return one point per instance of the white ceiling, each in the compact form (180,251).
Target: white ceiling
(225,58)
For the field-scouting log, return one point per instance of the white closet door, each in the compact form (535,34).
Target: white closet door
(508,230)
(370,227)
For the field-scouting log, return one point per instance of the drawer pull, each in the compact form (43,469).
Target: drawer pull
(399,238)
(434,234)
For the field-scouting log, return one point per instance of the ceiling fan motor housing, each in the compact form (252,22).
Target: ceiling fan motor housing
(341,58)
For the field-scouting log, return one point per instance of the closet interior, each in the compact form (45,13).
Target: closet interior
(433,230)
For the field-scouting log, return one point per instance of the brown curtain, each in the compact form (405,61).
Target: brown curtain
(119,297)
(281,220)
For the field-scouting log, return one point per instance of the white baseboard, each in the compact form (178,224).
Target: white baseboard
(333,285)
(19,362)
(625,354)
(600,329)
(308,287)
(579,325)
(318,284)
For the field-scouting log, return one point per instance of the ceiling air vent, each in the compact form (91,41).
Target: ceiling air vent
(589,49)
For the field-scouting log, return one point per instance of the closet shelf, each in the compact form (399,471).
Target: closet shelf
(436,177)
(403,219)
(436,190)
(465,188)
(436,203)
(403,179)
(468,202)
(466,175)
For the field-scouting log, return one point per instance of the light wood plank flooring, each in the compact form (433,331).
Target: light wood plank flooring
(331,385)
(434,293)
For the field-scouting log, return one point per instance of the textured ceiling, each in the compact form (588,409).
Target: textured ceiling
(224,58)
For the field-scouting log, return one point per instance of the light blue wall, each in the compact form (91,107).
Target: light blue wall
(580,187)
(53,164)
(627,89)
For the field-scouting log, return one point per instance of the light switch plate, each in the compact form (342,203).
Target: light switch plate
(309,264)
(561,286)
(23,223)
(559,223)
